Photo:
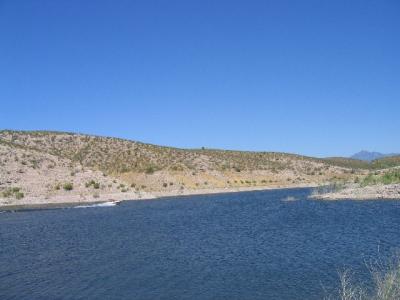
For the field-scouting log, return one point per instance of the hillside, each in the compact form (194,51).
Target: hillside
(56,166)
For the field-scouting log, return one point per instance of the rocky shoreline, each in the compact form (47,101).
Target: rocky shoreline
(356,192)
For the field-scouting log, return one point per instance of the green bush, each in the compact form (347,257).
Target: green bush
(387,178)
(19,195)
(7,193)
(68,186)
(14,191)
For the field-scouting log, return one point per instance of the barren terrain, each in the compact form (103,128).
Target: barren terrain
(39,167)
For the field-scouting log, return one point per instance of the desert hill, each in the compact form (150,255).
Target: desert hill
(57,166)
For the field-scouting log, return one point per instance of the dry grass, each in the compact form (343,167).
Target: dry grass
(385,283)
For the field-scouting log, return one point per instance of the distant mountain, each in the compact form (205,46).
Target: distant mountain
(370,156)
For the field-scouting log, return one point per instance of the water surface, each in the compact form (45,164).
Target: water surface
(250,245)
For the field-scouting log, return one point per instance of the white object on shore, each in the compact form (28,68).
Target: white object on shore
(104,204)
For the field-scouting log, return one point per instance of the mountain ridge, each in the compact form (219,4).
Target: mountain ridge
(371,155)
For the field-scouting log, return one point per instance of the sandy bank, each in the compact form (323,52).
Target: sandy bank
(73,200)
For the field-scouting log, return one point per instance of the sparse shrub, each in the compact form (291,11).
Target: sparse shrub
(149,170)
(165,184)
(7,193)
(19,195)
(14,191)
(68,186)
(385,283)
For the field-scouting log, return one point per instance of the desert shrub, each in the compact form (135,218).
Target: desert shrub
(377,178)
(7,193)
(19,195)
(165,184)
(149,170)
(68,186)
(13,192)
(92,183)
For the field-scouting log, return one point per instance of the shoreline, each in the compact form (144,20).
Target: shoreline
(355,192)
(60,202)
(73,200)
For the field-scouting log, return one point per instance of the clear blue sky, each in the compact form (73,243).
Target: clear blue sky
(312,77)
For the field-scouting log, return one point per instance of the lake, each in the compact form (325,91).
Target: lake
(249,245)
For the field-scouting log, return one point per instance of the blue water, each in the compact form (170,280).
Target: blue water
(250,245)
